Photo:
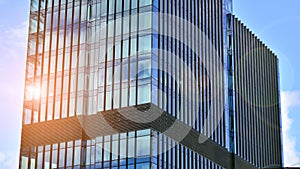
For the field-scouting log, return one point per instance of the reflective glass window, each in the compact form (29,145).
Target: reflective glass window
(103,7)
(77,156)
(145,21)
(27,116)
(134,23)
(99,152)
(125,49)
(114,150)
(145,2)
(133,46)
(126,5)
(62,157)
(119,6)
(131,147)
(126,25)
(106,151)
(144,93)
(111,6)
(133,4)
(145,43)
(143,146)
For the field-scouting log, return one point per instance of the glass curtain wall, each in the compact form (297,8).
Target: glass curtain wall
(55,59)
(87,56)
(200,59)
(124,150)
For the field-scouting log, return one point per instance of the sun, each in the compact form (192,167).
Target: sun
(35,91)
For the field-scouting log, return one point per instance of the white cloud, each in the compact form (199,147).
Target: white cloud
(9,160)
(2,157)
(13,47)
(291,156)
(13,42)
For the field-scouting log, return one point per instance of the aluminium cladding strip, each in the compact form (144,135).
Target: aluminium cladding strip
(90,126)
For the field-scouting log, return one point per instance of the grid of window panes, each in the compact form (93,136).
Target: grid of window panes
(120,43)
(124,150)
(166,153)
(77,63)
(101,72)
(143,149)
(175,93)
(56,53)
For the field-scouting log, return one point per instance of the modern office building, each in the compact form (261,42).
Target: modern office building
(140,84)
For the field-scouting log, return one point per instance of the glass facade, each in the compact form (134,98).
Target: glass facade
(193,62)
(123,150)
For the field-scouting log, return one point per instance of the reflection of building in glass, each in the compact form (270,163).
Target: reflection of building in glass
(147,84)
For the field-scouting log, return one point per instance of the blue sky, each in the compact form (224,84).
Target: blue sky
(277,23)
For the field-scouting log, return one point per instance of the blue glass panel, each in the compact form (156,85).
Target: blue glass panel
(114,163)
(130,160)
(131,167)
(143,166)
(106,164)
(123,162)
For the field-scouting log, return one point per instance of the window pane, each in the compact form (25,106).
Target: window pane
(144,94)
(77,156)
(69,156)
(119,5)
(124,97)
(54,158)
(122,150)
(134,23)
(125,25)
(145,2)
(103,7)
(131,147)
(111,7)
(99,152)
(143,146)
(107,151)
(143,166)
(61,157)
(125,49)
(114,150)
(145,21)
(40,160)
(133,46)
(126,5)
(145,44)
(134,4)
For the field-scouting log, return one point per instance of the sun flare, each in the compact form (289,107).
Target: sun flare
(35,91)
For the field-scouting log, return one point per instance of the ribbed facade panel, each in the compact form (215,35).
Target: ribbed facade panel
(257,99)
